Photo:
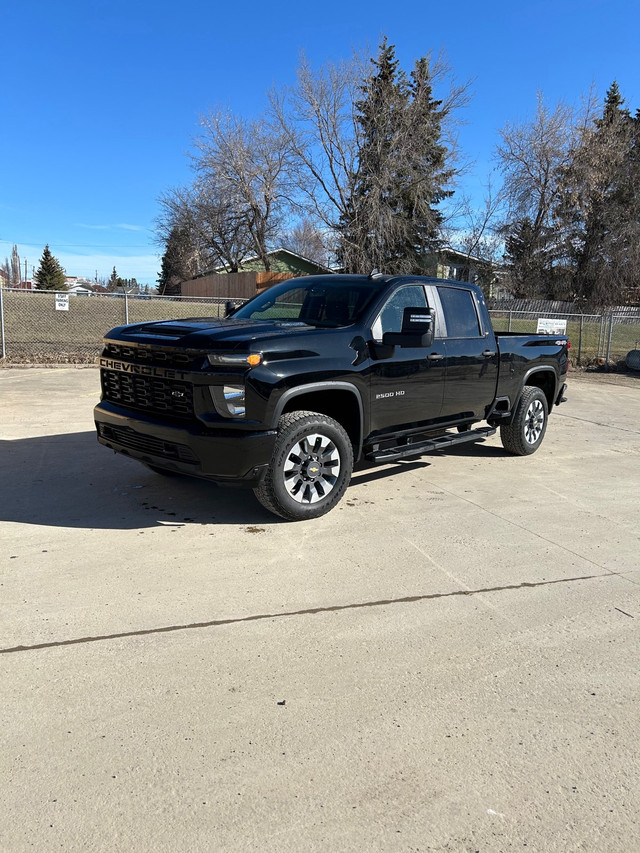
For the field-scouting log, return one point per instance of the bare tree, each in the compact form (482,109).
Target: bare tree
(16,271)
(600,207)
(477,232)
(213,224)
(244,163)
(320,119)
(532,157)
(317,118)
(308,240)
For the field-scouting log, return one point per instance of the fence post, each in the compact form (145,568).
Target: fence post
(609,340)
(4,349)
(509,326)
(580,339)
(126,308)
(600,336)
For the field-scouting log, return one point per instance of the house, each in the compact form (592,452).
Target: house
(281,261)
(251,278)
(76,284)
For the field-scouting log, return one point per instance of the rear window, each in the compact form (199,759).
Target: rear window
(460,312)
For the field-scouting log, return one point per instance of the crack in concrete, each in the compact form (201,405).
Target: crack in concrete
(311,611)
(596,423)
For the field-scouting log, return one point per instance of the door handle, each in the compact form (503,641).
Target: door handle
(435,356)
(488,353)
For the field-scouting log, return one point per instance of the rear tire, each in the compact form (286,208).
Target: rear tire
(524,434)
(310,468)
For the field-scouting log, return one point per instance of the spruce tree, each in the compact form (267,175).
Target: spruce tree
(393,221)
(50,274)
(600,207)
(112,284)
(176,261)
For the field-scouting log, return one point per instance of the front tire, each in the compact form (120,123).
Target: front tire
(310,468)
(524,434)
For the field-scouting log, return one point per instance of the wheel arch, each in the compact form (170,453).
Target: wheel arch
(543,378)
(338,400)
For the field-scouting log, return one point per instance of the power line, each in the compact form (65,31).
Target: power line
(79,245)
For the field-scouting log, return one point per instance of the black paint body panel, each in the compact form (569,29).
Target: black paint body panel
(164,386)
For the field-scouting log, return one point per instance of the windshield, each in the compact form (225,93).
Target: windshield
(327,303)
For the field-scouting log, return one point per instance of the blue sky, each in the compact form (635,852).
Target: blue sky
(100,99)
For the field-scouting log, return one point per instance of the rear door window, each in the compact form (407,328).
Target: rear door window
(460,314)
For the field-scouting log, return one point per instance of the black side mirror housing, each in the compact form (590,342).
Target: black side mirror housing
(417,329)
(229,308)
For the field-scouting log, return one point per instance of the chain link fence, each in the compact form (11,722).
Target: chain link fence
(46,327)
(595,338)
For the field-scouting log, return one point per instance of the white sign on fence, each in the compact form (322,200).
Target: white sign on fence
(62,301)
(551,327)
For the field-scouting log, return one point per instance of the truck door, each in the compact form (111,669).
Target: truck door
(407,387)
(471,355)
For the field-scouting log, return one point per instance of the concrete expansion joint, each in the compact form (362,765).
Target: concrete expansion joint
(312,611)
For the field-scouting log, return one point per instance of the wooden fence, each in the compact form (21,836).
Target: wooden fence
(235,285)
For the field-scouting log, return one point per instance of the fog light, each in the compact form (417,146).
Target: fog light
(234,399)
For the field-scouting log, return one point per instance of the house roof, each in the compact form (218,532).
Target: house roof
(281,251)
(463,255)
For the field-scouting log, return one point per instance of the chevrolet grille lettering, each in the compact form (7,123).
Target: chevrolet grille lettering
(140,369)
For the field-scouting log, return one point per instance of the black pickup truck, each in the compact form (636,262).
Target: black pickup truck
(288,391)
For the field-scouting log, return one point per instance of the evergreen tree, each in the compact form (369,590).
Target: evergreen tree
(600,206)
(532,156)
(177,262)
(402,175)
(116,284)
(112,284)
(50,274)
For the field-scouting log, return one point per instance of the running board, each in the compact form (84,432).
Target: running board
(441,442)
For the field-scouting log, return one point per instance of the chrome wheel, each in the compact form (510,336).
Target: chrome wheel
(534,422)
(524,434)
(311,468)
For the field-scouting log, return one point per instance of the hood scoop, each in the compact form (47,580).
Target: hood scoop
(169,328)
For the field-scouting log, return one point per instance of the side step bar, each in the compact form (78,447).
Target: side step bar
(441,442)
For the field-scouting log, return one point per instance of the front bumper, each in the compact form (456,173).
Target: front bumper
(233,457)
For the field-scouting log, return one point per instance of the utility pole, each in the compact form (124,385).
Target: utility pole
(25,269)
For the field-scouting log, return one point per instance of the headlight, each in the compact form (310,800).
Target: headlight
(233,359)
(228,400)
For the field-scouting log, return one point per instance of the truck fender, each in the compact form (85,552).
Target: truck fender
(539,370)
(312,387)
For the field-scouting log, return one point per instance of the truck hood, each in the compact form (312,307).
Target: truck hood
(204,333)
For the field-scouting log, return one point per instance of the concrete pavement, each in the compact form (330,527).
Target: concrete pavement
(448,661)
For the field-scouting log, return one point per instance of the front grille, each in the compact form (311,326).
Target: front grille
(148,393)
(144,355)
(127,437)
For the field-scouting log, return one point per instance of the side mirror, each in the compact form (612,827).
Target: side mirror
(229,308)
(417,329)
